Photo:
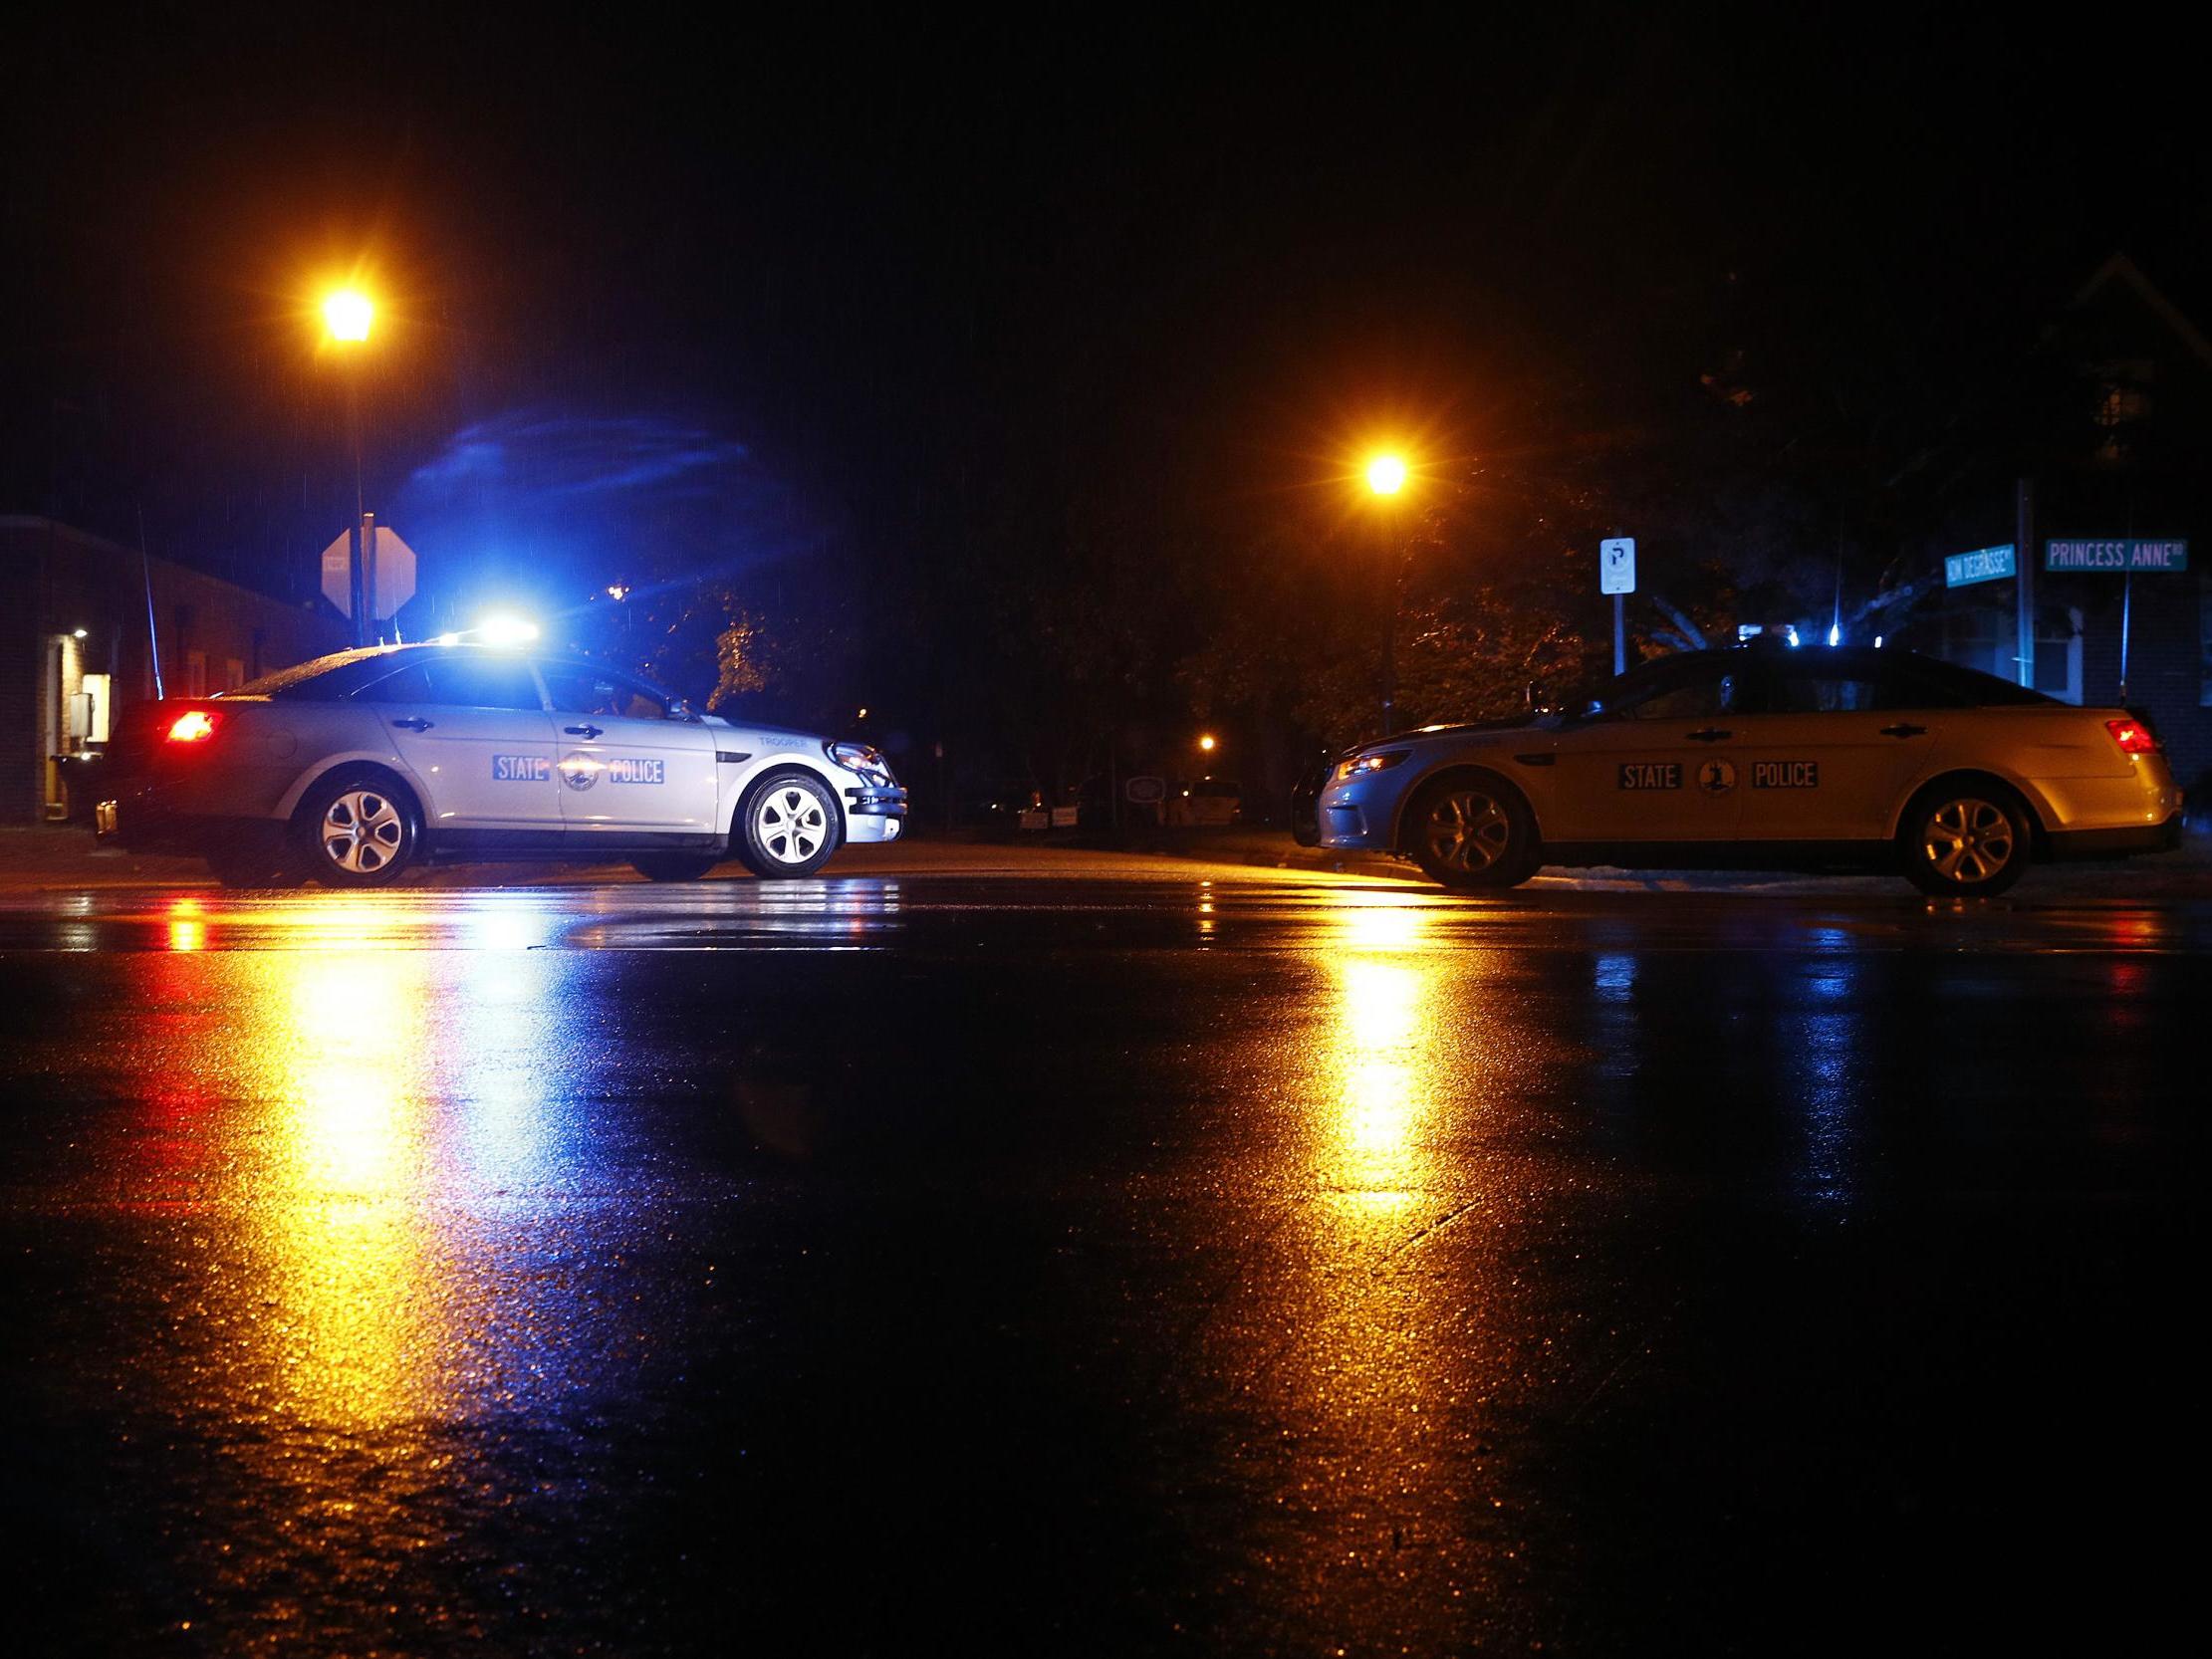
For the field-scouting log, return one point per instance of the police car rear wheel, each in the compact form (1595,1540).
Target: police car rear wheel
(359,832)
(1468,833)
(788,827)
(673,867)
(1968,842)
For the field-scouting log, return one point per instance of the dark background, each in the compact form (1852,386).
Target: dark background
(981,359)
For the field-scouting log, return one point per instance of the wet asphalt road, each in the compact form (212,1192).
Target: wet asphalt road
(1154,1260)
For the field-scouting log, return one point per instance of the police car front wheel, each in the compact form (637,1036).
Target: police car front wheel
(1471,832)
(1965,841)
(789,826)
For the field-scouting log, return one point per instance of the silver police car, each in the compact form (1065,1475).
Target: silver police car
(1815,758)
(355,768)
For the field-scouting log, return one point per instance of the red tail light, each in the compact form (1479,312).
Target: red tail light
(2132,736)
(192,726)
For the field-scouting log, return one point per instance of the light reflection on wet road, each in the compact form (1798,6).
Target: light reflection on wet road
(1257,1264)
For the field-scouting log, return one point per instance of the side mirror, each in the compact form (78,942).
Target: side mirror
(681,709)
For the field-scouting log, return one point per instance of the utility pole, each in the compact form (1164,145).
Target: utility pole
(1396,566)
(2024,537)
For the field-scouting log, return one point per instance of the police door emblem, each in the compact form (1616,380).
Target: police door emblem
(1716,777)
(579,772)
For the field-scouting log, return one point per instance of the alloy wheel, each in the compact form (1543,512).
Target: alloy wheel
(362,831)
(789,823)
(1969,842)
(1468,830)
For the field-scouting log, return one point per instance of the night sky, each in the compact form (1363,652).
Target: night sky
(851,299)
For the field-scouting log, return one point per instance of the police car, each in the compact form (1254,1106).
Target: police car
(355,768)
(1816,758)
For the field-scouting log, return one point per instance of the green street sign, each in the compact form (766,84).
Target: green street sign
(1961,569)
(2115,554)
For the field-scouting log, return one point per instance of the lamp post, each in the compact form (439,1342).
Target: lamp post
(1385,475)
(348,314)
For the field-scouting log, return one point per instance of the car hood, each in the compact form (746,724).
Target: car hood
(1461,731)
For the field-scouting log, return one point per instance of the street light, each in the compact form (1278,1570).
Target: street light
(346,314)
(1387,473)
(1206,743)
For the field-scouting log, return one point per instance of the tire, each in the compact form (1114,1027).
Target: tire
(673,867)
(358,830)
(787,826)
(1470,829)
(1969,838)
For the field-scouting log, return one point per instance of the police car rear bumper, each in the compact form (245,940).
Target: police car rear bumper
(2116,844)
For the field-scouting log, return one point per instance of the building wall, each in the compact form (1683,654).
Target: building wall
(55,581)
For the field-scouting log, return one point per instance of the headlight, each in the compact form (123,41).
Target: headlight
(859,756)
(1359,764)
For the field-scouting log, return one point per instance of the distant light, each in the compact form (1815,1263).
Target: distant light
(76,634)
(1387,474)
(348,314)
(1747,630)
(862,715)
(1793,634)
(616,591)
(1834,635)
(1207,743)
(1877,641)
(506,630)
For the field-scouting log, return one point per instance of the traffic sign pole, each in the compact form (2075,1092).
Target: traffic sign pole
(1617,574)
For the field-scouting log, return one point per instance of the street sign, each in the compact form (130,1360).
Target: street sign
(2116,554)
(1963,569)
(1616,565)
(392,559)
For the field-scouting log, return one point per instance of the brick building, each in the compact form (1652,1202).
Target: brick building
(73,633)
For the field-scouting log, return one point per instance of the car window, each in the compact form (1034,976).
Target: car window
(1708,689)
(1845,683)
(1816,693)
(576,690)
(477,682)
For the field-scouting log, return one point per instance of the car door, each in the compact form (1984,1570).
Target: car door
(1840,739)
(471,726)
(1655,759)
(629,761)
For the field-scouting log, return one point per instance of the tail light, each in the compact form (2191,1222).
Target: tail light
(2132,736)
(192,726)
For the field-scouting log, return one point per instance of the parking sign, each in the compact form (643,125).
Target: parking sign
(1616,565)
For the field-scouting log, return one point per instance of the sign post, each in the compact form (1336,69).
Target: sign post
(2123,554)
(1617,574)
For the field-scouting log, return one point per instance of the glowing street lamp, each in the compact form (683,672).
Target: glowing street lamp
(1206,743)
(347,313)
(1387,474)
